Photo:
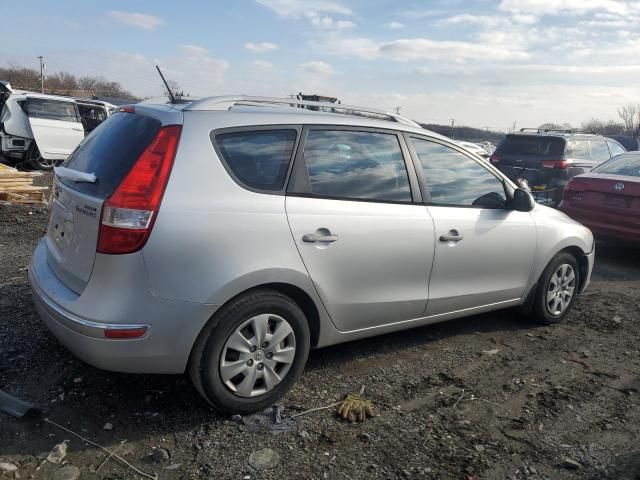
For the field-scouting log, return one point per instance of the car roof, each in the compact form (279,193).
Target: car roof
(262,112)
(21,95)
(555,134)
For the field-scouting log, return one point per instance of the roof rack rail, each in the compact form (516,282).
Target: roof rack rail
(226,102)
(557,130)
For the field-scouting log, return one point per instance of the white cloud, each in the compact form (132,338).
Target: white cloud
(394,25)
(140,20)
(302,8)
(317,67)
(261,47)
(555,7)
(490,21)
(419,49)
(327,22)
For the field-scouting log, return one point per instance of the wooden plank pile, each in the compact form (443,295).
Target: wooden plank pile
(18,187)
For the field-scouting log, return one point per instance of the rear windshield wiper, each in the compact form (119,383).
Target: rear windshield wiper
(74,175)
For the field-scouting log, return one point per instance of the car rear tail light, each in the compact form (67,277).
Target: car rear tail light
(557,164)
(128,215)
(495,158)
(127,109)
(124,333)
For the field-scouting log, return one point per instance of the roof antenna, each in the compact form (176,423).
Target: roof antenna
(171,97)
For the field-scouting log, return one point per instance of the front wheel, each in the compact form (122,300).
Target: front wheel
(557,290)
(251,353)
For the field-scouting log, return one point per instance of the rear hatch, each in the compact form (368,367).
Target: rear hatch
(109,153)
(521,156)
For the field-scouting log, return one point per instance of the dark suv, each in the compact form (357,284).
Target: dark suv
(547,159)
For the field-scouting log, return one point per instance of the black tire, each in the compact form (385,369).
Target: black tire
(35,160)
(205,358)
(541,312)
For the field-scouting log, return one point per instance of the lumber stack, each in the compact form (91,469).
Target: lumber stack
(18,187)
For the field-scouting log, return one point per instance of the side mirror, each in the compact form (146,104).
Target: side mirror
(522,201)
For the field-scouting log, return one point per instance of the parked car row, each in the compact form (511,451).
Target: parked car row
(42,130)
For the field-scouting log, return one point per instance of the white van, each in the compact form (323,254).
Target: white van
(41,130)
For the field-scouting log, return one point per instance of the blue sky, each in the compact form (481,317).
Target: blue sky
(486,63)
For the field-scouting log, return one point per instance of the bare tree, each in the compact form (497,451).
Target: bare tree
(630,115)
(603,128)
(554,126)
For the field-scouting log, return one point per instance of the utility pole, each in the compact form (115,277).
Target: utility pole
(398,110)
(453,120)
(514,126)
(42,67)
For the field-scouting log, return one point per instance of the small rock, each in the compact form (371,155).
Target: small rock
(533,470)
(491,352)
(67,473)
(77,380)
(617,318)
(173,466)
(236,418)
(479,448)
(570,463)
(264,459)
(246,477)
(305,435)
(160,455)
(608,426)
(7,467)
(365,437)
(108,426)
(57,453)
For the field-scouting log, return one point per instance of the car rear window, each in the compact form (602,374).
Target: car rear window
(110,151)
(628,165)
(530,145)
(258,159)
(578,149)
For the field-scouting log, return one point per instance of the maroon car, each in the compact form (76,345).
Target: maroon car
(607,199)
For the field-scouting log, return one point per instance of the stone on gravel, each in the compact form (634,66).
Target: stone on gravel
(160,455)
(491,352)
(57,453)
(264,459)
(304,434)
(67,473)
(570,463)
(108,426)
(7,467)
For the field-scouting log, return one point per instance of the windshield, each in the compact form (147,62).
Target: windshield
(627,165)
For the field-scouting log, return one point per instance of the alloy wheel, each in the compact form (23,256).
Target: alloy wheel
(561,289)
(257,355)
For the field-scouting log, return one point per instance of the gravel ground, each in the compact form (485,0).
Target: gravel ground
(487,397)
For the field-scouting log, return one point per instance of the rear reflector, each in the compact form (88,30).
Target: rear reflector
(128,215)
(558,164)
(120,333)
(495,158)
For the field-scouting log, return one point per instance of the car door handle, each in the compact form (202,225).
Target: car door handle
(314,237)
(452,236)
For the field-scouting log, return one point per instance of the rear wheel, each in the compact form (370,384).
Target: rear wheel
(557,290)
(252,352)
(35,159)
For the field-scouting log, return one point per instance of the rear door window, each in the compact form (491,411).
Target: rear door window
(52,110)
(354,165)
(578,149)
(615,148)
(599,151)
(110,151)
(258,159)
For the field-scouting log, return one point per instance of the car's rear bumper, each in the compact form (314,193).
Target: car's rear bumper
(609,224)
(165,347)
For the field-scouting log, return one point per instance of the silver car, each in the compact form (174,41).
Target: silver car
(228,236)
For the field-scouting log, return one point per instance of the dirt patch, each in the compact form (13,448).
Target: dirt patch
(487,397)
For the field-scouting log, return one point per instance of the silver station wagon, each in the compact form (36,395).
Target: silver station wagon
(226,237)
